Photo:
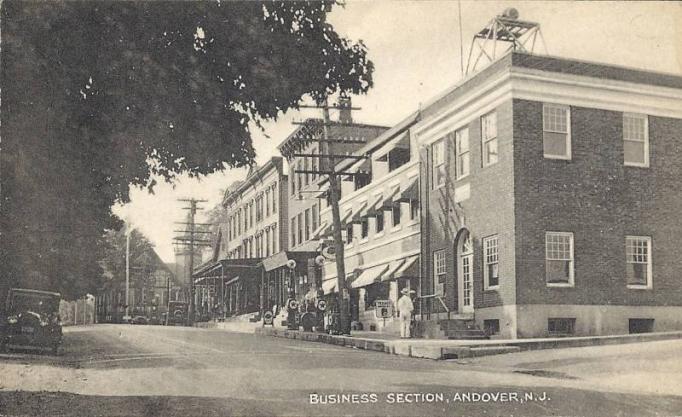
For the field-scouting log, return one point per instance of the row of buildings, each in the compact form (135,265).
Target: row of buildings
(540,196)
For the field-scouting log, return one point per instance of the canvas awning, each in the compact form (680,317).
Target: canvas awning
(359,213)
(369,276)
(392,268)
(275,261)
(399,142)
(346,216)
(410,192)
(409,269)
(322,192)
(389,201)
(329,286)
(317,233)
(375,206)
(361,166)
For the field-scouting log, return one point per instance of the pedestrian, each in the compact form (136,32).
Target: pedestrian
(405,309)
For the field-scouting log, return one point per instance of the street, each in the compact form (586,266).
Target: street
(125,370)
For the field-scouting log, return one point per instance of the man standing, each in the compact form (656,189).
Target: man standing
(405,309)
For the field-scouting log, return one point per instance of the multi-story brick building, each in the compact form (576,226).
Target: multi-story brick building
(551,197)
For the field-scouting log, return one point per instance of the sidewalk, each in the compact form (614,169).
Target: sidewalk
(457,349)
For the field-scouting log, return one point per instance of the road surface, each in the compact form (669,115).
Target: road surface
(125,370)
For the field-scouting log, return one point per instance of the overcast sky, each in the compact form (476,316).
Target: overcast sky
(415,48)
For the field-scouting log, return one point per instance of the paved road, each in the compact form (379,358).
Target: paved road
(119,370)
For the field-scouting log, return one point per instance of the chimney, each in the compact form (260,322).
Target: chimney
(344,110)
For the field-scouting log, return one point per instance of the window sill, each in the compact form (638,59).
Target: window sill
(364,240)
(635,165)
(396,228)
(492,288)
(558,157)
(378,235)
(639,287)
(560,285)
(490,164)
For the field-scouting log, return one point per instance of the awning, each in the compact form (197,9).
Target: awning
(359,213)
(329,286)
(409,269)
(389,201)
(346,216)
(410,192)
(374,208)
(232,281)
(399,142)
(275,261)
(318,232)
(361,166)
(369,276)
(322,192)
(392,268)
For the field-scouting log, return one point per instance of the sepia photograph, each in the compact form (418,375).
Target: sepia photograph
(340,208)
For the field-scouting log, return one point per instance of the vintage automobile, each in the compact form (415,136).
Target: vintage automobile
(31,320)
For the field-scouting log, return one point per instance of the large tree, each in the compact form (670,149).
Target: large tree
(99,96)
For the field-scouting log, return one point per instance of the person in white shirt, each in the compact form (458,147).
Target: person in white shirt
(405,309)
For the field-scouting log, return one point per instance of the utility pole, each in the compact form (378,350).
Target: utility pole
(334,197)
(190,240)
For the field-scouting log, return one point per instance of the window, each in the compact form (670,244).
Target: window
(267,202)
(640,325)
(267,242)
(293,231)
(306,166)
(307,224)
(316,217)
(491,266)
(379,222)
(462,152)
(239,222)
(299,176)
(349,233)
(638,261)
(559,258)
(300,228)
(556,138)
(293,179)
(489,138)
(274,238)
(438,163)
(439,272)
(274,198)
(491,327)
(414,209)
(636,140)
(364,230)
(561,326)
(395,214)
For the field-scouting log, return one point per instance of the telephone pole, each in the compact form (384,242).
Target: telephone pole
(325,153)
(191,239)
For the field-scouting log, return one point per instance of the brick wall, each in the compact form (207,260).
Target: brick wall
(601,201)
(488,211)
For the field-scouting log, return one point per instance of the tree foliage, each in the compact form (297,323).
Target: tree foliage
(99,96)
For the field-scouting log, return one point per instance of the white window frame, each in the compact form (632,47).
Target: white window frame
(644,117)
(439,268)
(485,138)
(487,260)
(649,270)
(567,109)
(462,136)
(571,278)
(440,143)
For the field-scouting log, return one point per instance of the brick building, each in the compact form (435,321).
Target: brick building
(551,196)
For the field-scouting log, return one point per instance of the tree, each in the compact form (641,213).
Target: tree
(99,96)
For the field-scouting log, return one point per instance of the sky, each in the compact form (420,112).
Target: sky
(415,49)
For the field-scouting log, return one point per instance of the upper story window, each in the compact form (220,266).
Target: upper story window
(636,140)
(395,214)
(462,152)
(439,271)
(292,178)
(308,223)
(379,222)
(638,261)
(299,176)
(274,198)
(300,227)
(414,209)
(364,229)
(362,181)
(556,136)
(267,202)
(559,258)
(438,163)
(349,233)
(315,217)
(491,276)
(292,231)
(489,138)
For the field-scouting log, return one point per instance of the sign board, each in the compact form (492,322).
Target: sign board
(384,308)
(268,318)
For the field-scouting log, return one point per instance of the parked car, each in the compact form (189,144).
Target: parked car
(139,320)
(31,321)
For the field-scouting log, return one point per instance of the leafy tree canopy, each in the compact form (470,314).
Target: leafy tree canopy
(98,96)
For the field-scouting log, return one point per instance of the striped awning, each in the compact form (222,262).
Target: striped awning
(410,192)
(392,268)
(390,200)
(369,276)
(409,269)
(400,142)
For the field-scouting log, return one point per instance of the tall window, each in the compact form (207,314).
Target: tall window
(267,242)
(414,209)
(395,214)
(638,261)
(438,163)
(636,140)
(559,258)
(307,224)
(364,229)
(274,238)
(349,233)
(556,137)
(292,231)
(439,272)
(491,267)
(299,177)
(274,198)
(489,138)
(267,202)
(316,217)
(462,152)
(300,228)
(239,222)
(379,225)
(292,178)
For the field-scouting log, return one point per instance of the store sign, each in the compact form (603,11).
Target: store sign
(384,308)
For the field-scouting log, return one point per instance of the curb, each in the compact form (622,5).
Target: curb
(473,350)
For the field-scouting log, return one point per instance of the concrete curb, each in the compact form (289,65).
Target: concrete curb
(450,349)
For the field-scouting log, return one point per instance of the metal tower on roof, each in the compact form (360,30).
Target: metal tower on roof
(509,32)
